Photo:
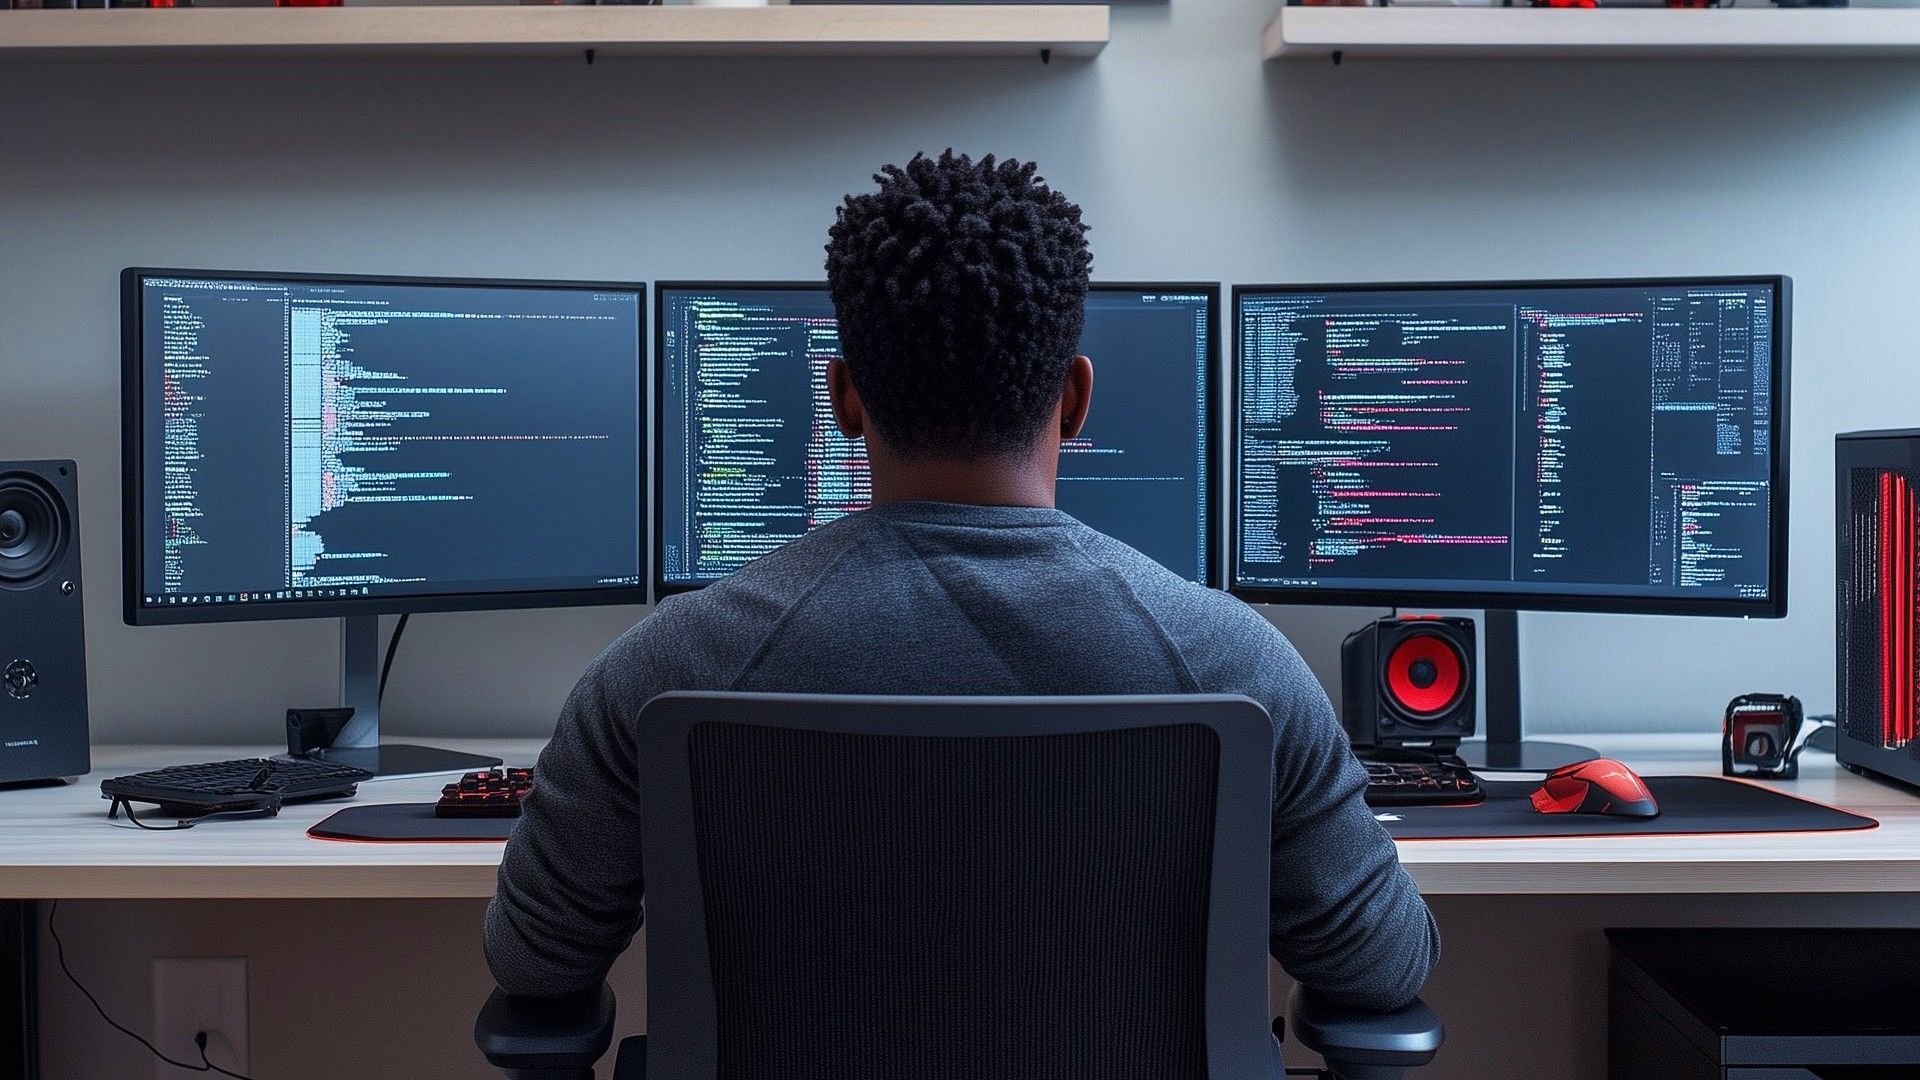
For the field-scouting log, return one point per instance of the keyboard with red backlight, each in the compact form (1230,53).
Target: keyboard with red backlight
(1421,783)
(494,793)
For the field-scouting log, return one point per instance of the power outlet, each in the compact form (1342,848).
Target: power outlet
(200,993)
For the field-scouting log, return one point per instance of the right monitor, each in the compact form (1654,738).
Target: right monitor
(750,459)
(1574,445)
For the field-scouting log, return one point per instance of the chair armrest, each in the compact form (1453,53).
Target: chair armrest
(1361,1043)
(546,1038)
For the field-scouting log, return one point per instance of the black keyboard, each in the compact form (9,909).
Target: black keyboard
(492,793)
(229,786)
(1421,783)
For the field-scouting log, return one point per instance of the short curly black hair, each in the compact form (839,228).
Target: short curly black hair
(961,288)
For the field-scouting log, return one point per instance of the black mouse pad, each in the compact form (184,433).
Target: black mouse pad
(407,823)
(1688,804)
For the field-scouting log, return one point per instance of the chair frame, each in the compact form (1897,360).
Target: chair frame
(560,1038)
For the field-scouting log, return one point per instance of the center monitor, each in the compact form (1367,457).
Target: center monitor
(750,457)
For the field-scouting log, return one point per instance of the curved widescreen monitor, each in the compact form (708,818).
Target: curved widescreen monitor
(300,446)
(1570,445)
(749,457)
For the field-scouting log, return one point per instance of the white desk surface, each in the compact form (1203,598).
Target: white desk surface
(56,842)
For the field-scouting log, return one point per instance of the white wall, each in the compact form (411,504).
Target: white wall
(1192,159)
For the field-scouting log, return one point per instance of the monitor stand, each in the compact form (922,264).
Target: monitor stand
(358,743)
(1504,748)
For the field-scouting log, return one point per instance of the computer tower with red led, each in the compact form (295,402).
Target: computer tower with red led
(1877,489)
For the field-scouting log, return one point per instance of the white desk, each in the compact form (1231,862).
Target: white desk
(1882,860)
(56,842)
(1522,981)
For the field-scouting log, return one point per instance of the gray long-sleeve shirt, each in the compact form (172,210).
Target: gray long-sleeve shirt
(934,598)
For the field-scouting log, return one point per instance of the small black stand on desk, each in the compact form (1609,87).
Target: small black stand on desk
(357,742)
(1505,747)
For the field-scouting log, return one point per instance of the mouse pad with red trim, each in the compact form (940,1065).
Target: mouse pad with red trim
(1688,804)
(407,823)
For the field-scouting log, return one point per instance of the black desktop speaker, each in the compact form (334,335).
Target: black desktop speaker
(1408,682)
(43,651)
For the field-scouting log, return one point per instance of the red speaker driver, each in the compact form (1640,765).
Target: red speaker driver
(1425,675)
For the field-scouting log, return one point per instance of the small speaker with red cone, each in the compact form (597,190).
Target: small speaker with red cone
(1408,682)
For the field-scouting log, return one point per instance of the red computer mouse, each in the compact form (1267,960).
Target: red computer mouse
(1599,786)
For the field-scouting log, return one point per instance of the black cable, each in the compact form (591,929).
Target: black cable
(118,805)
(1822,723)
(199,1037)
(200,1040)
(60,950)
(393,643)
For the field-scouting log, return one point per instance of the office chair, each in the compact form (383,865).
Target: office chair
(871,888)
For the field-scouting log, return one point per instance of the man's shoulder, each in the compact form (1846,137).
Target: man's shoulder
(787,573)
(1226,645)
(1186,609)
(700,640)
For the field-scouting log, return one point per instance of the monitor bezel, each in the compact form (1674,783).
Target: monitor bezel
(1216,440)
(1773,606)
(132,464)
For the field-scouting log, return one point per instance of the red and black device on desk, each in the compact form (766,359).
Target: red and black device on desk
(1430,781)
(1407,701)
(492,793)
(480,806)
(1759,737)
(1600,786)
(1877,474)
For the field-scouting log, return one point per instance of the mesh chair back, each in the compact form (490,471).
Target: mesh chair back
(954,889)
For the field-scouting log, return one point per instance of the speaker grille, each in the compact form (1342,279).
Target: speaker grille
(35,528)
(1425,676)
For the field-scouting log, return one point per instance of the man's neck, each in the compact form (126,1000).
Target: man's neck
(1016,481)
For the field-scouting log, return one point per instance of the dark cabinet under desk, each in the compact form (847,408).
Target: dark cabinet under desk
(1763,1004)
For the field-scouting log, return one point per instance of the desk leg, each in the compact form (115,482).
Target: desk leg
(19,989)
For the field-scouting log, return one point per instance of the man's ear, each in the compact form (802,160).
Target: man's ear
(1076,396)
(848,413)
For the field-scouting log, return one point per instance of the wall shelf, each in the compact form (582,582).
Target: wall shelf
(829,30)
(1472,32)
